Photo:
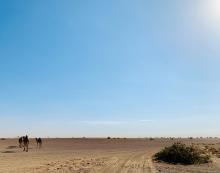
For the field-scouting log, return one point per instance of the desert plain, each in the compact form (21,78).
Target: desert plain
(96,155)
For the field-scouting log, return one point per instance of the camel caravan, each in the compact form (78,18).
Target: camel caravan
(24,142)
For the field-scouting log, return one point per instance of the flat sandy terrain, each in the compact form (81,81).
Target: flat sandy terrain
(96,155)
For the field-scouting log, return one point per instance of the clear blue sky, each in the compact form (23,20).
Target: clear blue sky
(109,68)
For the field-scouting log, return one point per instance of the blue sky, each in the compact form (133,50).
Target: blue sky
(109,68)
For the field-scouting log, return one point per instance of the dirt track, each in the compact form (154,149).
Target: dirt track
(134,162)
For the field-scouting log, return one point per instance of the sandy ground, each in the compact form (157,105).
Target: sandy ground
(96,156)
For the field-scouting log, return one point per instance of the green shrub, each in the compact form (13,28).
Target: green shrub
(181,154)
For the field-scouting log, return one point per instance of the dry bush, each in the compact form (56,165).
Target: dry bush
(181,154)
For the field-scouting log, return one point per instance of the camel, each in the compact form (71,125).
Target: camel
(39,142)
(20,142)
(25,143)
